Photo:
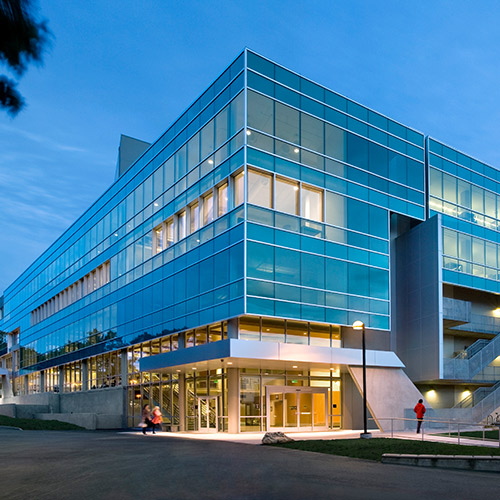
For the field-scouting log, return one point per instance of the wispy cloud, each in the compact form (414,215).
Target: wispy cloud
(43,140)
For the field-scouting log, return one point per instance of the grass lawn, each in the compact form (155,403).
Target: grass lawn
(493,434)
(373,449)
(29,424)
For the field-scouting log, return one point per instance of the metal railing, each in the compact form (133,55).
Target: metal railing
(440,428)
(477,396)
(476,347)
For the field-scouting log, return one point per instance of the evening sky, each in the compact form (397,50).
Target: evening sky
(131,67)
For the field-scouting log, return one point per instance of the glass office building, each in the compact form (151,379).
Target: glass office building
(219,274)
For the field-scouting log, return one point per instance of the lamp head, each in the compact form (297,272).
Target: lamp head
(358,325)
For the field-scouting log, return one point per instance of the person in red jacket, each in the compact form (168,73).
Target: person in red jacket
(419,410)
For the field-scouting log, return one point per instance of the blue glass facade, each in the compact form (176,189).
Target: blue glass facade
(466,192)
(268,211)
(203,147)
(335,269)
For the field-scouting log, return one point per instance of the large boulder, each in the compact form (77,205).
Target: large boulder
(275,437)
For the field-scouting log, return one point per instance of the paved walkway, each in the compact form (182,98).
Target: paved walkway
(256,437)
(53,465)
(252,437)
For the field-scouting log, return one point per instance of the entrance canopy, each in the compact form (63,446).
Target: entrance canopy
(236,353)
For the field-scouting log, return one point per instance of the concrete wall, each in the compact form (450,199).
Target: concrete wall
(101,401)
(389,393)
(418,316)
(89,421)
(95,409)
(445,396)
(352,405)
(8,410)
(50,400)
(129,151)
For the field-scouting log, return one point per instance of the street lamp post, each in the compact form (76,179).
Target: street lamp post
(359,325)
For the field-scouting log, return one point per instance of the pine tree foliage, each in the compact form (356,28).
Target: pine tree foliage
(22,41)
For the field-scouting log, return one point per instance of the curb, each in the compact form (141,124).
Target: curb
(464,462)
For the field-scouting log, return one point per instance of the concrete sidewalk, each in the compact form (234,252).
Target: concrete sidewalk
(256,437)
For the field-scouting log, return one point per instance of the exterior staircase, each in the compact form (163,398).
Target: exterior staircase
(474,408)
(474,359)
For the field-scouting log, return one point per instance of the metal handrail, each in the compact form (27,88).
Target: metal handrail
(450,423)
(477,396)
(476,347)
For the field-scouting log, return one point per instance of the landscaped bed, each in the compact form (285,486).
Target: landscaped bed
(28,424)
(373,449)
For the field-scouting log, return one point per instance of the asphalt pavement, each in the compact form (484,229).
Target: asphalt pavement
(107,465)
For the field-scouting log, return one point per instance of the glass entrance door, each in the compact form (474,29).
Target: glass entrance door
(306,409)
(291,409)
(320,402)
(299,409)
(207,414)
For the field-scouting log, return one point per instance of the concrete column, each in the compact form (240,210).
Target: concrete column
(124,367)
(6,387)
(233,400)
(182,340)
(61,379)
(232,328)
(42,381)
(85,375)
(182,402)
(26,385)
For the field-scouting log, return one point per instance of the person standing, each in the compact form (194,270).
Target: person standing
(146,419)
(157,419)
(419,410)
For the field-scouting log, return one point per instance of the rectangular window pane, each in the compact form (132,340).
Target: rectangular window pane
(181,225)
(208,209)
(491,254)
(312,203)
(158,239)
(260,112)
(320,335)
(238,189)
(249,328)
(477,199)
(273,330)
(222,196)
(287,196)
(297,332)
(286,123)
(478,251)
(449,188)
(435,183)
(311,133)
(195,217)
(450,243)
(207,139)
(260,189)
(170,233)
(215,332)
(464,247)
